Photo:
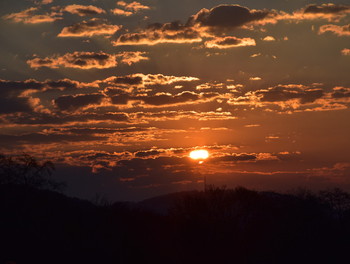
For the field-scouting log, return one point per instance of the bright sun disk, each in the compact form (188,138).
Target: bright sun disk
(199,154)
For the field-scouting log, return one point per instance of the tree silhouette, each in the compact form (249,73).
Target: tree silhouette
(26,170)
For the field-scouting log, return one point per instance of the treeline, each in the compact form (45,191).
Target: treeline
(216,226)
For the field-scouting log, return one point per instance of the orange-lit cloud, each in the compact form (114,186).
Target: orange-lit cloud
(132,57)
(215,22)
(29,16)
(269,38)
(129,8)
(92,27)
(160,33)
(80,60)
(121,12)
(229,42)
(345,52)
(87,60)
(335,29)
(133,6)
(83,10)
(329,12)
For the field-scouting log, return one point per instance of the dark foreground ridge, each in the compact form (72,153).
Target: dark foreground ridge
(216,226)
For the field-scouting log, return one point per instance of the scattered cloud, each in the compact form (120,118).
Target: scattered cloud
(128,8)
(121,12)
(335,29)
(132,57)
(73,102)
(160,33)
(229,42)
(30,16)
(133,6)
(345,52)
(92,27)
(228,16)
(255,79)
(83,10)
(269,38)
(87,60)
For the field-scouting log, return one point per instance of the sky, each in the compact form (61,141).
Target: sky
(118,93)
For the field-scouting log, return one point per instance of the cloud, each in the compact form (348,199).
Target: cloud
(16,96)
(121,12)
(82,10)
(129,8)
(269,38)
(345,52)
(235,157)
(148,153)
(87,60)
(335,29)
(289,92)
(80,60)
(167,99)
(133,6)
(13,104)
(330,12)
(89,28)
(255,78)
(45,2)
(132,57)
(228,16)
(163,99)
(73,102)
(229,42)
(294,98)
(160,33)
(144,80)
(341,92)
(326,9)
(28,16)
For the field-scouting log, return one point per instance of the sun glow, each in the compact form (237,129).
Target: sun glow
(199,154)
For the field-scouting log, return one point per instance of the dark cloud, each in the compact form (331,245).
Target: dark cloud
(341,92)
(285,93)
(227,16)
(326,9)
(14,104)
(143,154)
(165,99)
(20,85)
(40,138)
(157,33)
(121,99)
(234,157)
(72,102)
(131,80)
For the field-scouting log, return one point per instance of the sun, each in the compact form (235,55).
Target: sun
(199,154)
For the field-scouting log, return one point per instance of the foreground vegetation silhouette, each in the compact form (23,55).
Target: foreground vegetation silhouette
(220,225)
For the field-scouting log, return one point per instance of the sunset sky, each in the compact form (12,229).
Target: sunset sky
(118,93)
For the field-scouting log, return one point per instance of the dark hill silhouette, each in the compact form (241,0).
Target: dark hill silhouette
(217,226)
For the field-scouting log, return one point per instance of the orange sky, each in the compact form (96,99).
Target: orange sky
(117,94)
